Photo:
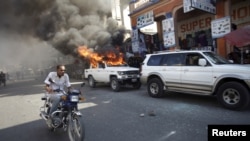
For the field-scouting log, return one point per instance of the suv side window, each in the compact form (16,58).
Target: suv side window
(192,59)
(175,59)
(155,60)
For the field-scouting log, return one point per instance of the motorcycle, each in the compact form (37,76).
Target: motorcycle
(67,115)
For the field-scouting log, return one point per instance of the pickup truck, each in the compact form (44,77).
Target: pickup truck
(115,75)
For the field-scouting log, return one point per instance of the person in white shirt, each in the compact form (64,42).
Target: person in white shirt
(54,83)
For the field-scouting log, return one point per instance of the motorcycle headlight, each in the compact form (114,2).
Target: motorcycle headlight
(74,98)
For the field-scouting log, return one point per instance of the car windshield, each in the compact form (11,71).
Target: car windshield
(216,59)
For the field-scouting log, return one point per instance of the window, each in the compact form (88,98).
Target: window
(216,59)
(175,59)
(192,59)
(101,65)
(154,60)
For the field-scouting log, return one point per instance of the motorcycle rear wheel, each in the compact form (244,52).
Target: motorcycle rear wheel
(76,129)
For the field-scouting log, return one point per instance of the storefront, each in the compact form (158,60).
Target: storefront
(181,26)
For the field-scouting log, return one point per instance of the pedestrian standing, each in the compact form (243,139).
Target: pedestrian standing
(3,78)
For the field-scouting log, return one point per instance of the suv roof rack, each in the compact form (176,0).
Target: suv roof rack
(178,50)
(175,50)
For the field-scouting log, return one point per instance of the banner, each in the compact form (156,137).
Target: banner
(205,5)
(187,6)
(168,32)
(145,19)
(220,27)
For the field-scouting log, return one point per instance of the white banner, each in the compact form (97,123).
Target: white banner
(168,32)
(145,19)
(205,5)
(134,35)
(187,6)
(135,46)
(220,27)
(168,25)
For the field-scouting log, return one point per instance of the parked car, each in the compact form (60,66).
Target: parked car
(197,72)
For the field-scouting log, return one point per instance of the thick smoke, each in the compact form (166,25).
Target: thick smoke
(65,24)
(19,53)
(33,31)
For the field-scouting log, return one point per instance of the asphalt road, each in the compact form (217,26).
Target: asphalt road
(129,115)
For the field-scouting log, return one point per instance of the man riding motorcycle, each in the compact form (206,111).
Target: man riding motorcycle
(54,84)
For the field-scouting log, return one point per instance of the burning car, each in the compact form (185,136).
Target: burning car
(109,68)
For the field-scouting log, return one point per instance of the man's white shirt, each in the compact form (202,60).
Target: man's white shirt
(59,82)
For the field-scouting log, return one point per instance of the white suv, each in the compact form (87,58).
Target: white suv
(197,72)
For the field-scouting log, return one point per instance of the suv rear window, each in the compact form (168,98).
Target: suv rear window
(155,60)
(175,59)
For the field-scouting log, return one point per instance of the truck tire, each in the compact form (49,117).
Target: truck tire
(233,96)
(115,85)
(155,88)
(91,81)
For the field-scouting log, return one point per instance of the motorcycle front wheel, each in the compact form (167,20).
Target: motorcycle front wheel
(76,129)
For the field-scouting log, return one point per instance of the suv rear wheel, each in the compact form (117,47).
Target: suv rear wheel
(155,87)
(233,95)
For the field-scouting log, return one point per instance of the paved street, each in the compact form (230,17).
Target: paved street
(130,115)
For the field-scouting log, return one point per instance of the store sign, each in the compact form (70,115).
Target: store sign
(205,5)
(194,33)
(187,6)
(145,19)
(168,32)
(220,27)
(240,12)
(198,23)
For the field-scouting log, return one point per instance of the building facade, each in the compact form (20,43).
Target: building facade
(190,24)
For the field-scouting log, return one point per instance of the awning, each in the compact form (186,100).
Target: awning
(239,37)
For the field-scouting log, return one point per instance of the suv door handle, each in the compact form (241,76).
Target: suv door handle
(185,70)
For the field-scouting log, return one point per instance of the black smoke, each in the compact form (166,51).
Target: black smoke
(65,24)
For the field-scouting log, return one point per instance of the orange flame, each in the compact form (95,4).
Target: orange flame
(109,57)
